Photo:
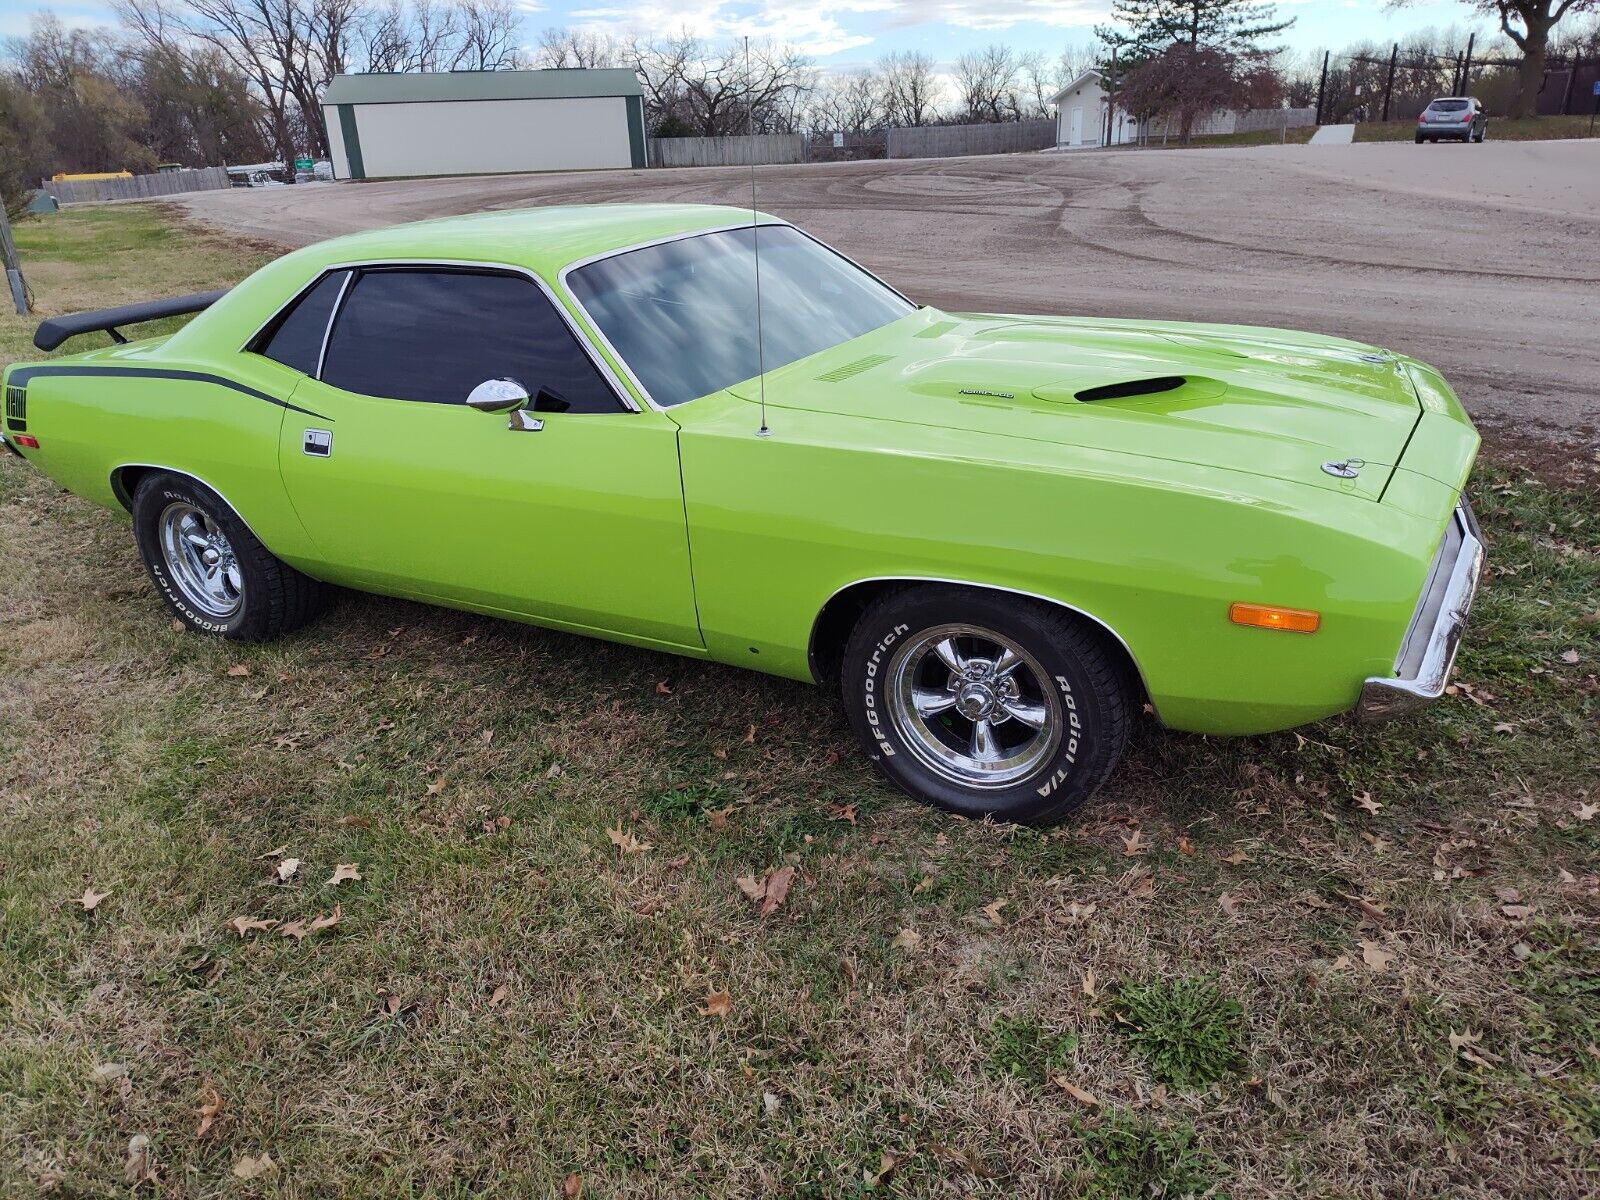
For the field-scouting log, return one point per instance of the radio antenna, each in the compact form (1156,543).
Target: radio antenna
(755,236)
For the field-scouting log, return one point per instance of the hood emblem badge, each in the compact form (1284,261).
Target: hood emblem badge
(1347,468)
(987,392)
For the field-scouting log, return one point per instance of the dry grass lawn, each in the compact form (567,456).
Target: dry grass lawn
(1348,962)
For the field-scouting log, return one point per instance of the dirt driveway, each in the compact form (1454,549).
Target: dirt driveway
(1484,260)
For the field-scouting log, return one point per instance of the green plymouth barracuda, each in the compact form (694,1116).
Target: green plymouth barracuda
(700,430)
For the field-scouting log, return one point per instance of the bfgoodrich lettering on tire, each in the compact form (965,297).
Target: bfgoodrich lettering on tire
(986,704)
(210,569)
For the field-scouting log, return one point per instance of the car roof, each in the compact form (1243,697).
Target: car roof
(545,239)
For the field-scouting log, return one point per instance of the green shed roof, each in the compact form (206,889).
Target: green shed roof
(401,87)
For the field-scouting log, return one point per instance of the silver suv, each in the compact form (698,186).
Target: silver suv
(1460,118)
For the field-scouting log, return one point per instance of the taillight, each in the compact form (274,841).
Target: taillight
(1466,116)
(25,439)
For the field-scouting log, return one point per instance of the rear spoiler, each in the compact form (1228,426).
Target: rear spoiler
(56,330)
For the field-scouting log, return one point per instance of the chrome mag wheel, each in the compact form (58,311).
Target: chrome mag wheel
(973,706)
(200,561)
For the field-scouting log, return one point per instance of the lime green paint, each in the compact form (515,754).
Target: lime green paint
(958,451)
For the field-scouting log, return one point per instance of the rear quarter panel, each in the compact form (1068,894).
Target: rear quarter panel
(1154,550)
(96,413)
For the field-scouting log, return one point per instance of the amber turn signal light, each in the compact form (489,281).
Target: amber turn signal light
(1267,616)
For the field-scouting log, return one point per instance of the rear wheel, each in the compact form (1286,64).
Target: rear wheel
(985,704)
(1419,139)
(214,574)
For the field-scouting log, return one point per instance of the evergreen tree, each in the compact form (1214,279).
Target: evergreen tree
(1145,27)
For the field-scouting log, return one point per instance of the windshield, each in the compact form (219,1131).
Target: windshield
(682,314)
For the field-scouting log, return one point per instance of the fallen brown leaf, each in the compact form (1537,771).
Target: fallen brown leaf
(500,995)
(261,1167)
(1230,903)
(718,1004)
(1366,803)
(344,872)
(90,900)
(1135,844)
(1088,983)
(286,869)
(211,1106)
(842,812)
(295,929)
(1087,1099)
(1236,858)
(777,889)
(328,921)
(1468,1047)
(238,670)
(625,842)
(907,939)
(887,1162)
(572,1189)
(1586,812)
(992,911)
(140,1166)
(717,818)
(1375,956)
(244,926)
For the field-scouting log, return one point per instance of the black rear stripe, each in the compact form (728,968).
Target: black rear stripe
(22,375)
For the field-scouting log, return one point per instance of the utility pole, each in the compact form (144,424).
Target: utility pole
(1388,85)
(1322,85)
(1466,66)
(8,251)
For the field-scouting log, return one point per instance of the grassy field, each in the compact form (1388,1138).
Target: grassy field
(1528,129)
(1345,962)
(1541,128)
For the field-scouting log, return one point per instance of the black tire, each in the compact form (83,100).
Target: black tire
(1419,139)
(272,597)
(1091,703)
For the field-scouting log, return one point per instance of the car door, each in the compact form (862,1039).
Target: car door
(571,514)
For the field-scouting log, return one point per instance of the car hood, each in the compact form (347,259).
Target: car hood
(1262,401)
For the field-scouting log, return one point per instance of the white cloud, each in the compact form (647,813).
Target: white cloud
(1002,14)
(815,29)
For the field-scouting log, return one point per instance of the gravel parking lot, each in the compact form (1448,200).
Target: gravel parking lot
(1484,260)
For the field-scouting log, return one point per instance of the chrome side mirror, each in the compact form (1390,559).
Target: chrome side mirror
(497,396)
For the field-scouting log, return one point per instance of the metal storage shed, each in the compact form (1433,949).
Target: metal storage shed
(483,122)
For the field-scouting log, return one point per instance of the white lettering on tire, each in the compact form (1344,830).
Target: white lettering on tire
(1069,752)
(869,689)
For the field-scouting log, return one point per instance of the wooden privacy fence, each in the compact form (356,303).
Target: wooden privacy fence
(139,187)
(949,141)
(737,151)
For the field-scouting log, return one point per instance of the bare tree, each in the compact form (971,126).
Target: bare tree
(713,91)
(987,80)
(911,87)
(852,103)
(1528,23)
(488,36)
(576,48)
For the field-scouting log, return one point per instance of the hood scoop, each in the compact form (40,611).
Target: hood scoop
(1132,387)
(1164,390)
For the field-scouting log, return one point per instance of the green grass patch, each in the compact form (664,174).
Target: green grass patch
(1129,1157)
(1186,1029)
(1026,1050)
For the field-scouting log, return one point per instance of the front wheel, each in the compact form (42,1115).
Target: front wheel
(986,704)
(212,571)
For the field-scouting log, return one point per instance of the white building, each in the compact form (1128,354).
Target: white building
(1081,115)
(483,122)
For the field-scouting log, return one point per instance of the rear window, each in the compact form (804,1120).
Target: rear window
(1449,105)
(296,341)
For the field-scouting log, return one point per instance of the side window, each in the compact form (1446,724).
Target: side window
(434,335)
(296,339)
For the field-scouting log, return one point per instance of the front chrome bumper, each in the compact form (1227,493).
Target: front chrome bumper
(1422,667)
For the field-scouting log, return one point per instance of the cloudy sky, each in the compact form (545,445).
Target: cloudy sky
(843,33)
